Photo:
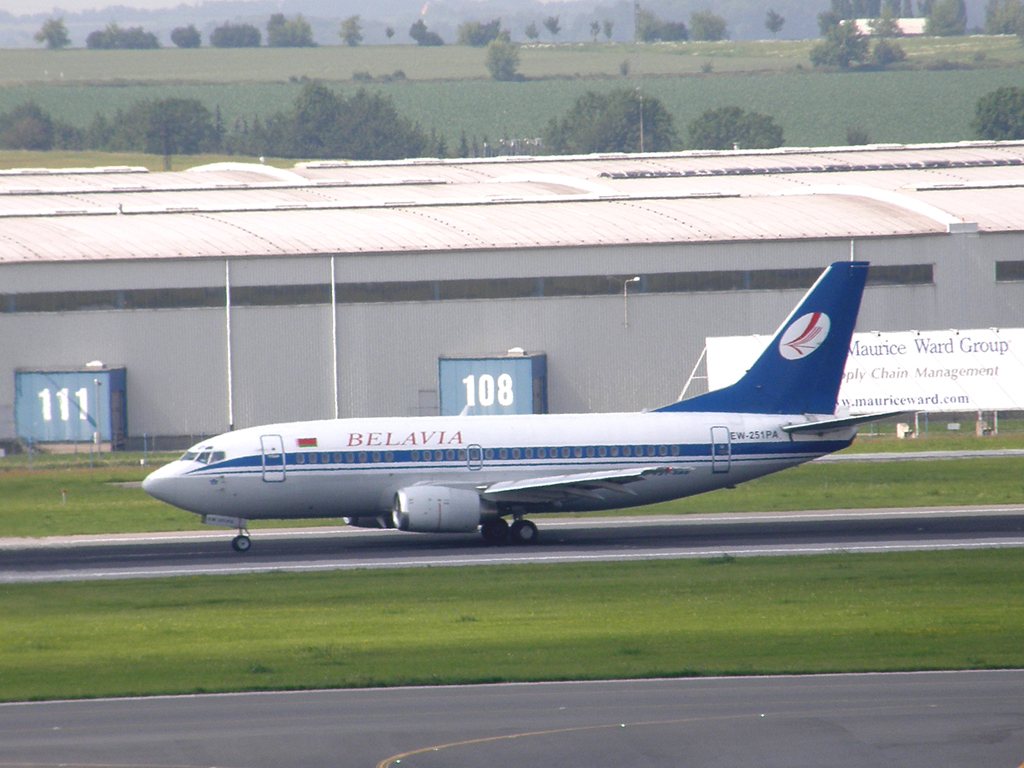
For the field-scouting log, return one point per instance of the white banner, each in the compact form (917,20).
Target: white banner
(935,371)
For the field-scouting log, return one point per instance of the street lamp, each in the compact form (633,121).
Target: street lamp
(625,304)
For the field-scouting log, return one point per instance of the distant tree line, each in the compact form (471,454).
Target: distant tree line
(366,126)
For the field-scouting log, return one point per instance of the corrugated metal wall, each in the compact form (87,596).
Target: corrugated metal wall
(387,353)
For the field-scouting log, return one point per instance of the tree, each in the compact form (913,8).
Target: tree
(114,37)
(503,59)
(27,126)
(887,52)
(649,28)
(886,25)
(732,127)
(178,126)
(478,34)
(236,36)
(352,31)
(607,25)
(842,46)
(289,33)
(531,30)
(186,37)
(423,36)
(999,115)
(610,122)
(54,34)
(1001,18)
(595,29)
(551,25)
(773,21)
(947,18)
(705,25)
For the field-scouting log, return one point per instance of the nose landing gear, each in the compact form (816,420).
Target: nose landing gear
(241,542)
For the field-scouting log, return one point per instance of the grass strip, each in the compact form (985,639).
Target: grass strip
(33,503)
(726,616)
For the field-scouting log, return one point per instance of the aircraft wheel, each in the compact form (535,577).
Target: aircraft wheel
(495,530)
(241,543)
(523,532)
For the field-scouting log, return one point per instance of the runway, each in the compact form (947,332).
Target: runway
(912,720)
(566,540)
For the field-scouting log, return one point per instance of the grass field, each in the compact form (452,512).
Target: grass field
(839,613)
(447,91)
(19,66)
(95,503)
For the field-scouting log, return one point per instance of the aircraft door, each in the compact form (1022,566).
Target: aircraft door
(474,457)
(721,449)
(273,458)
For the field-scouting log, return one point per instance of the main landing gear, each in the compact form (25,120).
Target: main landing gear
(497,531)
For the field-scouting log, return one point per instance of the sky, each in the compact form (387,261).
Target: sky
(22,7)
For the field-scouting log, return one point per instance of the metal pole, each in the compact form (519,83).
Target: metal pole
(99,429)
(625,303)
(334,336)
(227,333)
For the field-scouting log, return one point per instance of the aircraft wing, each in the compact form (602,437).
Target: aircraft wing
(584,484)
(828,425)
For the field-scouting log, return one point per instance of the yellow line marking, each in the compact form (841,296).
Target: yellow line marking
(394,759)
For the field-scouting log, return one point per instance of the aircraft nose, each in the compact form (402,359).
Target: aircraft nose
(159,484)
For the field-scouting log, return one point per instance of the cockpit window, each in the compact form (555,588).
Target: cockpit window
(217,456)
(189,456)
(204,457)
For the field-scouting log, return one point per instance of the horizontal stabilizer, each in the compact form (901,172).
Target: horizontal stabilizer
(552,488)
(830,425)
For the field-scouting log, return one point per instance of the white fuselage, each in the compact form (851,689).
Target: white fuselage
(354,467)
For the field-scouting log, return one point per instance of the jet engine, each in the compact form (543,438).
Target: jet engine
(436,509)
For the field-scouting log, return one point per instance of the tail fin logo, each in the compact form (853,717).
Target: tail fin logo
(805,335)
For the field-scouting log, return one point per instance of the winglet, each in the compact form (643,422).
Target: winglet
(802,368)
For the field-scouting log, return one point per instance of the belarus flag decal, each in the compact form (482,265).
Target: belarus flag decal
(804,336)
(307,442)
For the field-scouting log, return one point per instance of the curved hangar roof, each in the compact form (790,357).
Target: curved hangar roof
(235,209)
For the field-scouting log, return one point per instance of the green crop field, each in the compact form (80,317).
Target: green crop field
(837,613)
(447,90)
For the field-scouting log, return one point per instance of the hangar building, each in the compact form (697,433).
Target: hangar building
(233,295)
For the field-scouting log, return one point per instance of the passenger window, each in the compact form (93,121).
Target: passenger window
(675,450)
(590,453)
(565,453)
(462,455)
(337,458)
(614,450)
(662,450)
(503,453)
(389,456)
(542,453)
(528,453)
(415,456)
(362,457)
(489,454)
(602,451)
(325,458)
(650,450)
(300,458)
(516,453)
(312,458)
(376,456)
(438,455)
(577,452)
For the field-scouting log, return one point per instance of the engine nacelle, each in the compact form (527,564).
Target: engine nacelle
(436,509)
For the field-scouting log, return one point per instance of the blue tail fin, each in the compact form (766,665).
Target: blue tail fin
(802,368)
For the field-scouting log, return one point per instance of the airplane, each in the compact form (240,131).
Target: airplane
(459,474)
